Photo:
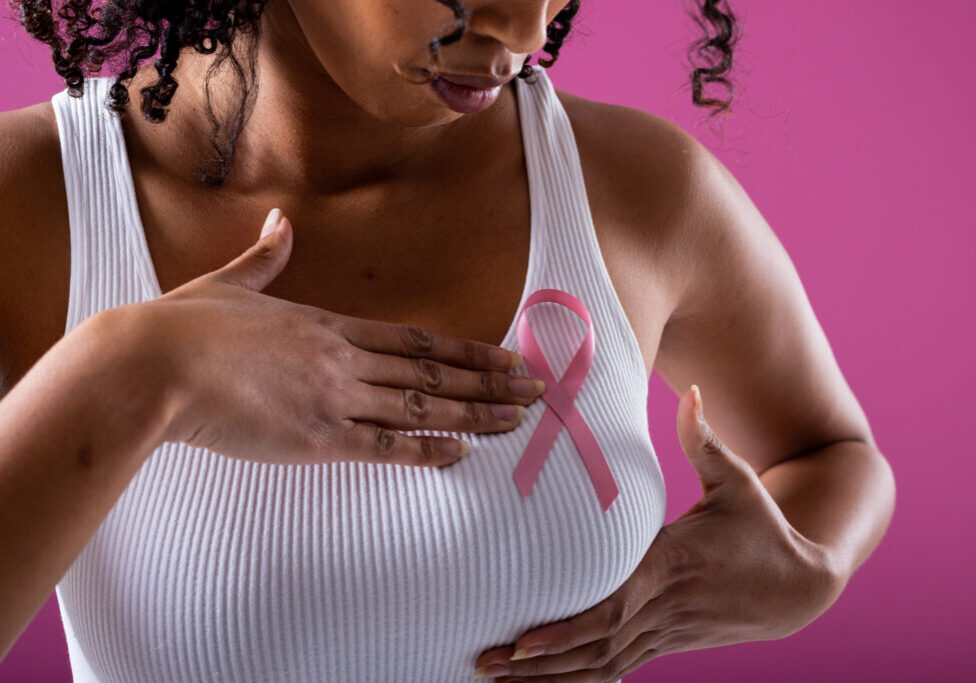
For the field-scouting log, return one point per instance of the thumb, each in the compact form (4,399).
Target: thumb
(714,463)
(263,260)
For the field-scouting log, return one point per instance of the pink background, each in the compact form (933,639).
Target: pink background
(853,136)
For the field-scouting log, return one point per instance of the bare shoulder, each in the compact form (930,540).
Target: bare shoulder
(738,322)
(34,240)
(29,148)
(642,174)
(625,130)
(646,171)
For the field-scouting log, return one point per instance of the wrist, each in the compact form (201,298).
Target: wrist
(133,386)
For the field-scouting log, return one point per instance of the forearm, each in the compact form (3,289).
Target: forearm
(841,497)
(73,432)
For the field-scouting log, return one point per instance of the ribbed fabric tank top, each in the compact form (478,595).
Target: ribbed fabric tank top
(210,568)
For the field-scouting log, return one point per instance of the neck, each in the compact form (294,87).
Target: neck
(305,136)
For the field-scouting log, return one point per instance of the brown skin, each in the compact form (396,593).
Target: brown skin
(391,191)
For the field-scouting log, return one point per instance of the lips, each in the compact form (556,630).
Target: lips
(462,98)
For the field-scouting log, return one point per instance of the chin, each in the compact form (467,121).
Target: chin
(424,114)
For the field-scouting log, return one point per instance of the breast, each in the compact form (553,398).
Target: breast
(214,568)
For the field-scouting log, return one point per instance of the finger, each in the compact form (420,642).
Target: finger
(414,341)
(603,620)
(364,442)
(641,650)
(592,656)
(611,669)
(674,640)
(713,461)
(438,379)
(650,596)
(634,656)
(598,654)
(263,261)
(409,410)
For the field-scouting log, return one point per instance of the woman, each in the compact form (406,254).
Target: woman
(239,458)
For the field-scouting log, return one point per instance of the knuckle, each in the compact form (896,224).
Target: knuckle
(263,250)
(633,666)
(428,449)
(339,352)
(320,434)
(416,339)
(325,318)
(602,653)
(680,558)
(711,445)
(328,383)
(477,413)
(487,384)
(469,351)
(384,442)
(326,345)
(324,417)
(616,615)
(347,434)
(611,667)
(416,405)
(429,373)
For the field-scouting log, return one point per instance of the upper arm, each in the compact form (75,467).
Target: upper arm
(33,211)
(743,329)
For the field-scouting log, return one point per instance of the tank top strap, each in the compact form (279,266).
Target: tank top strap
(571,258)
(552,157)
(106,268)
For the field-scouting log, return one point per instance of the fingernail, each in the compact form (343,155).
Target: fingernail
(507,412)
(698,401)
(505,360)
(491,671)
(525,653)
(526,386)
(271,222)
(450,448)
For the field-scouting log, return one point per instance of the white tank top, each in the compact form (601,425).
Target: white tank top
(210,568)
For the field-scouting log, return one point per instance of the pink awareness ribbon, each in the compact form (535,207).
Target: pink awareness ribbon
(559,397)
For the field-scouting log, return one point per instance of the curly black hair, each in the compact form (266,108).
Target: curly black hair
(136,29)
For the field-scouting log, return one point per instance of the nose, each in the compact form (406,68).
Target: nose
(519,24)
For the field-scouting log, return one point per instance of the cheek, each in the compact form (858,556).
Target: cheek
(341,33)
(365,46)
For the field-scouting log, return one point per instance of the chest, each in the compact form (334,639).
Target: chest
(358,571)
(454,261)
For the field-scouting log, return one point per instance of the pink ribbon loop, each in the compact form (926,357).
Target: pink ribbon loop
(559,397)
